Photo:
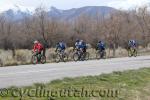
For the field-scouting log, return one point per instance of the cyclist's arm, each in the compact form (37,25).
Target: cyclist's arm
(65,46)
(34,48)
(96,46)
(74,47)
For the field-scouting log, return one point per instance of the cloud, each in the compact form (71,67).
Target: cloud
(15,4)
(126,4)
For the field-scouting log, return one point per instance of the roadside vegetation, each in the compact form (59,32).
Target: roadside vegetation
(128,85)
(23,56)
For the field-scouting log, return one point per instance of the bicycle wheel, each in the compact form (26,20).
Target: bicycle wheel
(43,59)
(57,58)
(135,53)
(75,56)
(65,57)
(86,56)
(98,56)
(103,55)
(34,59)
(130,53)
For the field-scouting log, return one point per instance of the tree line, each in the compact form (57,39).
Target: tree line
(116,29)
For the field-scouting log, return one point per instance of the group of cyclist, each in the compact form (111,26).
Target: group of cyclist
(79,45)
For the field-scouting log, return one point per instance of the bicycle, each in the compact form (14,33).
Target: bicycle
(101,54)
(132,52)
(38,58)
(61,56)
(80,55)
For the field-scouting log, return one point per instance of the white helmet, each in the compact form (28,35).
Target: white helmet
(81,40)
(35,42)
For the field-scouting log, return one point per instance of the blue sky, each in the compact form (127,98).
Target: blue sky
(67,4)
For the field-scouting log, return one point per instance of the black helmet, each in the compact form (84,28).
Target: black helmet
(100,42)
(77,40)
(57,43)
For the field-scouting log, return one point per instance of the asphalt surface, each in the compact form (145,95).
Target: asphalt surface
(25,75)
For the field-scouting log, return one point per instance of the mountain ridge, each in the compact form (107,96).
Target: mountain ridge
(69,14)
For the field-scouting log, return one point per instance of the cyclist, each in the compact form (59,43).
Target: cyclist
(80,45)
(100,46)
(38,47)
(60,47)
(132,48)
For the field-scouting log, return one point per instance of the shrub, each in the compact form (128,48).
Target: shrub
(11,63)
(21,56)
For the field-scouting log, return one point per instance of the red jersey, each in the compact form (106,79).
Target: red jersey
(38,47)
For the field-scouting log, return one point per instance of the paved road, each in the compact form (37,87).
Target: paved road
(28,74)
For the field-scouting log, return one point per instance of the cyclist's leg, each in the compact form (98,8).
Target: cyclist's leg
(100,52)
(80,53)
(84,49)
(130,49)
(83,54)
(63,53)
(39,55)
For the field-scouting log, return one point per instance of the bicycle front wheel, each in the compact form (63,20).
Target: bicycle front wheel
(75,57)
(135,53)
(98,55)
(130,53)
(34,59)
(43,59)
(65,57)
(87,56)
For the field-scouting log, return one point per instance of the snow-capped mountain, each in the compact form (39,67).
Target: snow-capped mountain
(17,12)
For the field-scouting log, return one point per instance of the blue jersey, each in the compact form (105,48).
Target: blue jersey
(101,46)
(84,45)
(61,46)
(132,43)
(80,45)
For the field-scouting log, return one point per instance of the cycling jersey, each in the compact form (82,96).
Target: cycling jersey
(38,47)
(132,43)
(61,46)
(101,46)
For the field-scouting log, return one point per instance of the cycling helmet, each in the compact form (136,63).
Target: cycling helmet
(81,41)
(57,43)
(35,41)
(100,42)
(77,40)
